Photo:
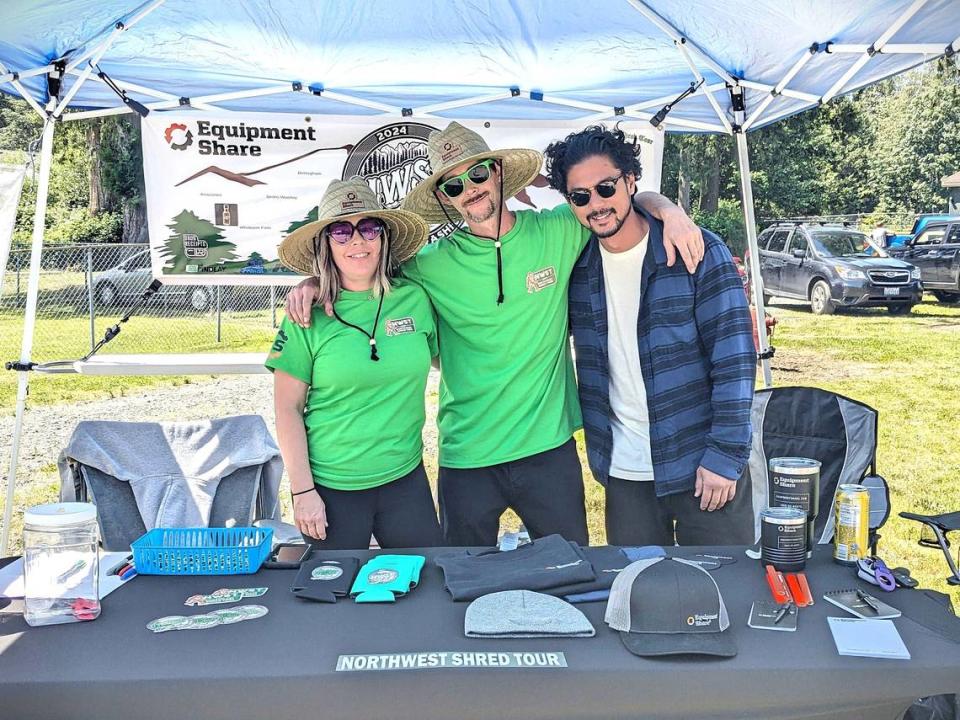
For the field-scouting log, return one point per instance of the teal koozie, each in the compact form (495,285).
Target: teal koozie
(384,577)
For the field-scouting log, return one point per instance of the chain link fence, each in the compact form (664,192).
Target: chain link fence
(85,289)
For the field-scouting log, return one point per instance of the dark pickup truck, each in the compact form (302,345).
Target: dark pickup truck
(936,251)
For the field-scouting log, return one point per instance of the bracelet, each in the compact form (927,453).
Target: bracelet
(302,492)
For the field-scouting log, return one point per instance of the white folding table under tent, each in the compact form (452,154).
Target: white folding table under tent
(748,63)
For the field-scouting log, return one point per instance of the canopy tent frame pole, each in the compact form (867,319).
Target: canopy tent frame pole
(14,79)
(8,76)
(93,56)
(427,110)
(118,27)
(781,86)
(681,46)
(30,317)
(749,219)
(150,92)
(675,35)
(873,49)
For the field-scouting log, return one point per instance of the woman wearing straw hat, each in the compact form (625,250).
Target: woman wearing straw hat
(349,390)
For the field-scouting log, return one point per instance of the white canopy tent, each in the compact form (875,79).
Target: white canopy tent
(748,63)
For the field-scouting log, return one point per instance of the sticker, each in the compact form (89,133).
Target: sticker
(326,572)
(170,622)
(400,326)
(540,279)
(382,576)
(202,622)
(252,611)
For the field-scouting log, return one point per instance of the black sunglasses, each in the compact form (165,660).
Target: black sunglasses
(478,174)
(605,189)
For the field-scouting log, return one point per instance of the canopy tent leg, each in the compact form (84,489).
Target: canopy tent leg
(30,317)
(756,283)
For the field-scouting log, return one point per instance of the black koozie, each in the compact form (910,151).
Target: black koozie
(333,579)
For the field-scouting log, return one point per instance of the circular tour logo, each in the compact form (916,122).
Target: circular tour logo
(178,137)
(393,159)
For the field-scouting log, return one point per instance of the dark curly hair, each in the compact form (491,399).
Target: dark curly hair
(594,140)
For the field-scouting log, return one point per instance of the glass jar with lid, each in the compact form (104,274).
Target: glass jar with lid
(61,563)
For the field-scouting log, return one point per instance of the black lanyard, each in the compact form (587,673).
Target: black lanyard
(373,340)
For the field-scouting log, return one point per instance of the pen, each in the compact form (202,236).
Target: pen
(115,570)
(781,613)
(868,600)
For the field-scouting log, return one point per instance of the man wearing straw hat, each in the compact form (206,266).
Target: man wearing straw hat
(508,396)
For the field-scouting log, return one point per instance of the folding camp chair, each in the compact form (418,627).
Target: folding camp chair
(839,432)
(934,532)
(215,473)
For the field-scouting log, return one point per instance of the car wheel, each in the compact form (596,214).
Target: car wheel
(106,294)
(900,308)
(199,299)
(945,296)
(820,301)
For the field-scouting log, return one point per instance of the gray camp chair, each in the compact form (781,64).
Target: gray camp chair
(839,432)
(214,473)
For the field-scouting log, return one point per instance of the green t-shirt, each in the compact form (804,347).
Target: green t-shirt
(507,387)
(364,419)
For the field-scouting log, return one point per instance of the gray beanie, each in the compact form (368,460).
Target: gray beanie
(524,614)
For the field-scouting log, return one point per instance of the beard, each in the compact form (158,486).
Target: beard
(480,211)
(611,231)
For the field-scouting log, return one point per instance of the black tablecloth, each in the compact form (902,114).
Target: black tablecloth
(284,665)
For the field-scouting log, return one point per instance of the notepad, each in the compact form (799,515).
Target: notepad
(764,614)
(851,601)
(867,638)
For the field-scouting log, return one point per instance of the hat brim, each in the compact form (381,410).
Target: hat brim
(519,166)
(716,644)
(408,233)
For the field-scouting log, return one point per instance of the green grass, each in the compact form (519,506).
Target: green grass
(906,368)
(69,338)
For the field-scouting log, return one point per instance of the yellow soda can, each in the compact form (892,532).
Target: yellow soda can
(851,538)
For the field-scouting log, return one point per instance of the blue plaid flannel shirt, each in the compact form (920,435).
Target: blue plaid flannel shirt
(695,339)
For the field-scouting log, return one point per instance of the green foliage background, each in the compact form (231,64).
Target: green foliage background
(880,152)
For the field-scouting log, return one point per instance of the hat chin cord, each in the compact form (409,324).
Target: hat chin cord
(496,241)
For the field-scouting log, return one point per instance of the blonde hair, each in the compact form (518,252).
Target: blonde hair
(328,274)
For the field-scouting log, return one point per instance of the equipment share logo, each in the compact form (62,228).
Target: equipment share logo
(180,133)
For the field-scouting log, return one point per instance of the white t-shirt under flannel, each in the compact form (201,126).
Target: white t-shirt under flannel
(631,459)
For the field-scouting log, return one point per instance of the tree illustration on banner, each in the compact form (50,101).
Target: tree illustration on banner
(312,216)
(195,241)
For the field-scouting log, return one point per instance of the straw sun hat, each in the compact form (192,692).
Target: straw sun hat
(455,145)
(348,200)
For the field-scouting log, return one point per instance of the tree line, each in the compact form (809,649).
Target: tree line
(879,153)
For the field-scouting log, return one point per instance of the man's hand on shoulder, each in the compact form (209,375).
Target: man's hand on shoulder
(300,300)
(680,233)
(714,490)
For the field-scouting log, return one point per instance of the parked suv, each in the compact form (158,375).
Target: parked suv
(936,251)
(834,266)
(126,282)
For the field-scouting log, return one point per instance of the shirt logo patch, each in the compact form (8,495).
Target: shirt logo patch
(400,326)
(540,279)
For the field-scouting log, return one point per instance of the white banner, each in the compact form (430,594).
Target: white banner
(224,190)
(11,182)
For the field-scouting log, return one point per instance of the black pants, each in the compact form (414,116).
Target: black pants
(399,514)
(545,490)
(636,516)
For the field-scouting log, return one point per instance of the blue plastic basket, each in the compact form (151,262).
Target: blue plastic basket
(202,551)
